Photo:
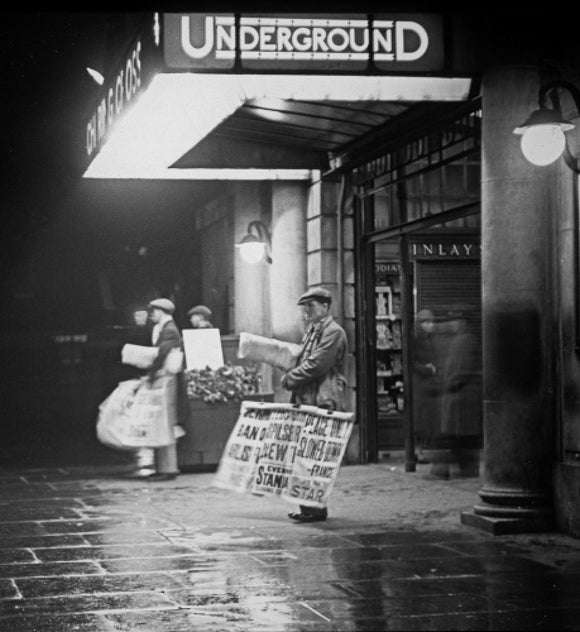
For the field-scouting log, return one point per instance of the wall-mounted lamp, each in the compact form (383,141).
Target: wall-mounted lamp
(256,245)
(544,131)
(543,142)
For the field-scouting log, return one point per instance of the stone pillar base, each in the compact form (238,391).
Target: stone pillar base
(508,510)
(505,526)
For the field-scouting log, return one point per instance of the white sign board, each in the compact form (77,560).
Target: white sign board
(203,348)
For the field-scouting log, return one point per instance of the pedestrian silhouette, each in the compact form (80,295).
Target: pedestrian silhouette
(461,399)
(425,383)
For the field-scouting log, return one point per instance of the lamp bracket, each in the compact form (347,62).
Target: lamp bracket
(551,88)
(264,235)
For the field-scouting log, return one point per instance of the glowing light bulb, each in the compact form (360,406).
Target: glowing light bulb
(543,144)
(253,251)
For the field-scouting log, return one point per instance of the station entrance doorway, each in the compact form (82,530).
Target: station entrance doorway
(419,296)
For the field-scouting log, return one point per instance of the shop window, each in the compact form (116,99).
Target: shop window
(435,173)
(428,193)
(438,173)
(389,346)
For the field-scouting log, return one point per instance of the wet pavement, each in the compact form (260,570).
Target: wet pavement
(93,549)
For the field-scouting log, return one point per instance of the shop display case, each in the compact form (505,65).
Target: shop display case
(389,348)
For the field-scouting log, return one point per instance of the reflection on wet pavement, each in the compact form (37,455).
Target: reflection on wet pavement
(79,552)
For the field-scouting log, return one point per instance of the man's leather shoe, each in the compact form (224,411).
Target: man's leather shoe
(295,515)
(160,476)
(310,517)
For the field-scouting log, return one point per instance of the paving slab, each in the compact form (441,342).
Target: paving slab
(98,549)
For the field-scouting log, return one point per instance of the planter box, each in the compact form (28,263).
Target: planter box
(208,429)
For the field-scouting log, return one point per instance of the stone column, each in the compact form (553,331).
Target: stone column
(252,292)
(288,269)
(518,207)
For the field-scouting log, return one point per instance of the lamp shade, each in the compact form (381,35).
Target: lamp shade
(544,116)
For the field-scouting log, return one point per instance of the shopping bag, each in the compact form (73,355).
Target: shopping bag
(278,353)
(138,414)
(112,413)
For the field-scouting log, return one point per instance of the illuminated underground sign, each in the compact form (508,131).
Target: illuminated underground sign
(284,42)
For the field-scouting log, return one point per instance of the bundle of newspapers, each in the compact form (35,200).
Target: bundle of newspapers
(277,353)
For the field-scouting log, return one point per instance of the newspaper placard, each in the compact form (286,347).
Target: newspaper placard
(293,452)
(203,348)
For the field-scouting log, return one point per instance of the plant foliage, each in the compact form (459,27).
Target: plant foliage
(229,382)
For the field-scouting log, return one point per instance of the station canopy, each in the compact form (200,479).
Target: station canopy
(156,120)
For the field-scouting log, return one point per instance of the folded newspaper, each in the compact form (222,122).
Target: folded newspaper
(278,353)
(138,355)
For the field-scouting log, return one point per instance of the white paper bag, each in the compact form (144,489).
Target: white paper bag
(138,415)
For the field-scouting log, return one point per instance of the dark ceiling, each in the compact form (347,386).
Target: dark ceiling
(319,126)
(294,134)
(279,133)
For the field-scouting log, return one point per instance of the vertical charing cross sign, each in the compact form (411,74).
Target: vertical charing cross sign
(137,64)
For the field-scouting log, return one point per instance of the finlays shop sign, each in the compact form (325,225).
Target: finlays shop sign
(395,43)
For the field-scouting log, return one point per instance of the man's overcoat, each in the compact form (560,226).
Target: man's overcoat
(318,379)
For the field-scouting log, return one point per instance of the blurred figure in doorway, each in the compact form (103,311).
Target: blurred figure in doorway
(461,402)
(425,383)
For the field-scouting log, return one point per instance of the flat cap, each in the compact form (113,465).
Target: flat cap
(200,309)
(425,314)
(316,293)
(163,303)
